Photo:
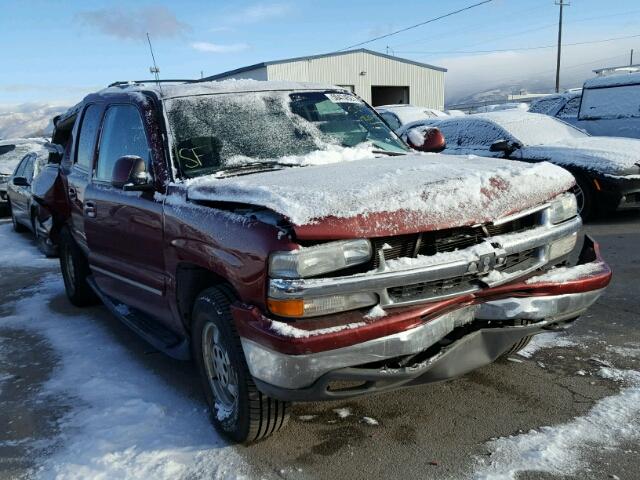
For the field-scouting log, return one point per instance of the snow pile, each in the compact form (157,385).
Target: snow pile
(124,422)
(288,330)
(429,189)
(546,340)
(342,412)
(567,274)
(562,449)
(375,312)
(17,253)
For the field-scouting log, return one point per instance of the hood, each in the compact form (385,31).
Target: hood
(390,195)
(608,155)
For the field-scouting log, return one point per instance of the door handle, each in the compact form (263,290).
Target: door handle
(90,209)
(73,195)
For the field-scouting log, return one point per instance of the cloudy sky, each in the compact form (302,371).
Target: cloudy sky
(55,51)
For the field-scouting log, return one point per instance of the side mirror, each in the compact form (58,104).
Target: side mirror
(20,182)
(504,146)
(130,173)
(426,139)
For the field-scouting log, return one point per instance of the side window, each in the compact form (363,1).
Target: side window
(391,119)
(122,134)
(570,108)
(28,168)
(611,102)
(19,171)
(87,138)
(470,134)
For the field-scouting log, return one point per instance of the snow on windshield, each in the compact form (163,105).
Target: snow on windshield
(214,132)
(534,128)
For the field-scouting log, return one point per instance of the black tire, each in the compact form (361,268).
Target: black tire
(250,415)
(75,270)
(585,195)
(17,226)
(42,242)
(520,344)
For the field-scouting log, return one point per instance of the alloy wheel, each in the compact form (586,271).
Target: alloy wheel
(223,379)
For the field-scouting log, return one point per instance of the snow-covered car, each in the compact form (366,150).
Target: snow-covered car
(26,213)
(564,106)
(398,115)
(285,239)
(11,152)
(611,106)
(606,169)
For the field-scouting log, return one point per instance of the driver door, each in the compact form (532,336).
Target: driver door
(125,229)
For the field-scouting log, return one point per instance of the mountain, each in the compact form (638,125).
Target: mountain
(28,119)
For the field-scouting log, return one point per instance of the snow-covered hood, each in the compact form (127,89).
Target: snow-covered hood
(390,195)
(609,155)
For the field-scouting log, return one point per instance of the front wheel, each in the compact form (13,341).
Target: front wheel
(585,194)
(238,409)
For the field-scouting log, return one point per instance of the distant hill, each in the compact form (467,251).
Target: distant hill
(28,119)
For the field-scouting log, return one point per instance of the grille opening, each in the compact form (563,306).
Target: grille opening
(449,240)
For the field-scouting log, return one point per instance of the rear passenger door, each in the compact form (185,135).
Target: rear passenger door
(80,173)
(124,228)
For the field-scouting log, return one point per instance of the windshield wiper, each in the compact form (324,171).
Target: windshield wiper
(247,168)
(391,154)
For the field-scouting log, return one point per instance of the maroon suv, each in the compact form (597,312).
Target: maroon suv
(285,239)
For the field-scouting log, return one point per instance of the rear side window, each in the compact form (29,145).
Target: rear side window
(122,134)
(391,120)
(87,139)
(570,108)
(28,168)
(471,134)
(611,102)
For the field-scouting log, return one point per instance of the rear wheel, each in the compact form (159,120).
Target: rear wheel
(42,241)
(75,270)
(17,226)
(238,409)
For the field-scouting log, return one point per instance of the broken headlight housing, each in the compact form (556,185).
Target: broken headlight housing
(563,208)
(318,259)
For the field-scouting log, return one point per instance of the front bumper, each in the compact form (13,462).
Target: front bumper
(430,342)
(621,192)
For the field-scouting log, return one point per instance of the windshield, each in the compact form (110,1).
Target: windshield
(538,129)
(216,132)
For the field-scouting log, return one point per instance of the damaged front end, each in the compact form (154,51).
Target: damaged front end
(444,315)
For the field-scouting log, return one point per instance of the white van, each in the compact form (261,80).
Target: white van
(611,106)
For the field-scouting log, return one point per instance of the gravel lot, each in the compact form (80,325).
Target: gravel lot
(60,405)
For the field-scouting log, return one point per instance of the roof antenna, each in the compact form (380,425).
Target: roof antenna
(155,70)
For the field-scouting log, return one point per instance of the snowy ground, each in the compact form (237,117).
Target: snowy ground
(82,397)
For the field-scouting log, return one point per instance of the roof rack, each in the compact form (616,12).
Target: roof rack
(129,82)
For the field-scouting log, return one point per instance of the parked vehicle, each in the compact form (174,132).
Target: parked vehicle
(611,106)
(284,238)
(26,213)
(564,106)
(11,152)
(607,170)
(398,115)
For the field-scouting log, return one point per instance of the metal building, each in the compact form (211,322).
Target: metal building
(378,78)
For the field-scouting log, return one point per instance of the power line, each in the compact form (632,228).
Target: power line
(519,48)
(416,25)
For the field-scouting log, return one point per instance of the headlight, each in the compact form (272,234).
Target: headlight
(313,307)
(319,259)
(563,246)
(563,208)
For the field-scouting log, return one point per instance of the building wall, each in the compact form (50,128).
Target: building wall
(426,86)
(255,74)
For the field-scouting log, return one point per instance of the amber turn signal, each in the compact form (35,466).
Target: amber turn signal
(286,308)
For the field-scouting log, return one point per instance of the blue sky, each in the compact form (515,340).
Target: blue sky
(57,51)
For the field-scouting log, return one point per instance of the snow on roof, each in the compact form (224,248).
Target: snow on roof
(172,90)
(531,128)
(432,189)
(613,80)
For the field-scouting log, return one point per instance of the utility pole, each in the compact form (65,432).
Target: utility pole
(631,59)
(561,4)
